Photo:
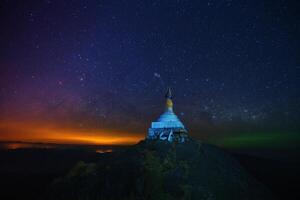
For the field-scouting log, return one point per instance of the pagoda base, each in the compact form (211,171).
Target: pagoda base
(168,134)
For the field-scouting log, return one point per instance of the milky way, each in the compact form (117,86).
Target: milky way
(105,65)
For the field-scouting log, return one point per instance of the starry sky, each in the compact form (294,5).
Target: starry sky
(96,71)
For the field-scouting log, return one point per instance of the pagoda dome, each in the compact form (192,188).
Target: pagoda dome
(169,117)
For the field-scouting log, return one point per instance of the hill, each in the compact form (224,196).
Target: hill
(160,170)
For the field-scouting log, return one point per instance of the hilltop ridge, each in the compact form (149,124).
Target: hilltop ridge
(160,170)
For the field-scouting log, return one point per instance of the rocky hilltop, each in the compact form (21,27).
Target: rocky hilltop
(160,170)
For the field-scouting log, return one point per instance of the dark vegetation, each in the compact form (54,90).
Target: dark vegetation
(159,170)
(25,173)
(145,171)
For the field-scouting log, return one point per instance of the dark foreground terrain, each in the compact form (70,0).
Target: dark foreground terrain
(145,171)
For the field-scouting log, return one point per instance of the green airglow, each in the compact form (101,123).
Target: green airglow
(257,140)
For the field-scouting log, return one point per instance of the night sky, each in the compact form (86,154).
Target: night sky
(97,71)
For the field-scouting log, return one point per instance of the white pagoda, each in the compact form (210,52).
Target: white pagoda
(168,127)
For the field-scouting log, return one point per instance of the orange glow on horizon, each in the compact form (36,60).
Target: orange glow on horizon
(25,132)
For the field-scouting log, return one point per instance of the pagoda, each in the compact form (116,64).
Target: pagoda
(168,127)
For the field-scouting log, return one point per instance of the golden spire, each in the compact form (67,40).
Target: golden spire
(169,103)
